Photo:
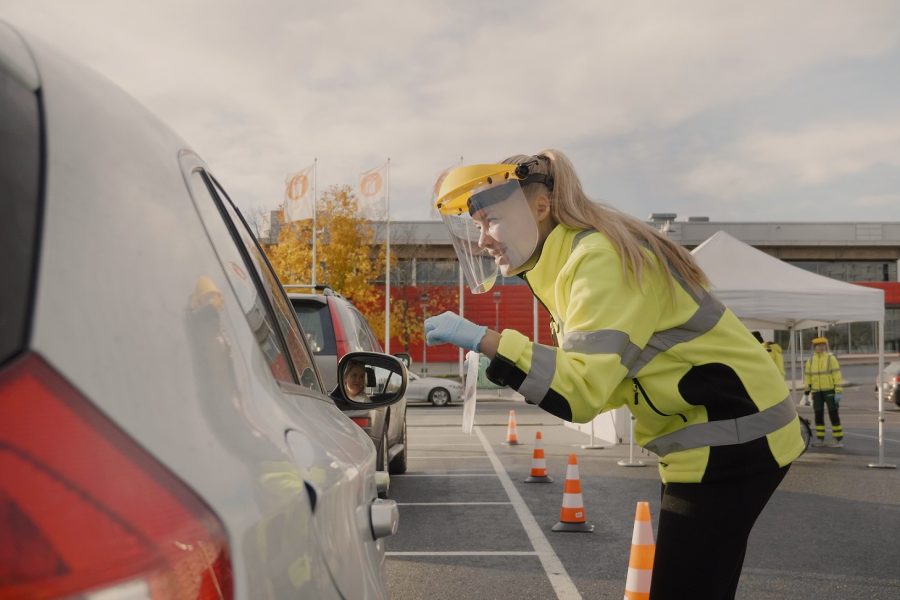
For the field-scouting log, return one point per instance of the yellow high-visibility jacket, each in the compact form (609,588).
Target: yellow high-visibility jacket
(822,372)
(705,396)
(776,354)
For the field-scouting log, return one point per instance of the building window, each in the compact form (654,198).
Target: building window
(437,272)
(851,270)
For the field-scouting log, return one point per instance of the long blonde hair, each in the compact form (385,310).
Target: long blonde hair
(570,206)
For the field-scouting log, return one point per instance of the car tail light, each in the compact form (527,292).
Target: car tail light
(362,421)
(85,510)
(342,345)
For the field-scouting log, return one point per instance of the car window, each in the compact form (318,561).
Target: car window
(249,289)
(20,193)
(357,340)
(366,332)
(315,320)
(284,313)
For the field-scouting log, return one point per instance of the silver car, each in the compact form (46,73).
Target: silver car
(436,390)
(890,383)
(163,430)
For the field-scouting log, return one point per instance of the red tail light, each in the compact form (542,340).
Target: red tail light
(361,421)
(84,508)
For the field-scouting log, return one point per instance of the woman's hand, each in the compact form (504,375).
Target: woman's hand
(450,328)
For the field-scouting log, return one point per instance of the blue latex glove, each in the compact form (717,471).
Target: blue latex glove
(450,328)
(837,397)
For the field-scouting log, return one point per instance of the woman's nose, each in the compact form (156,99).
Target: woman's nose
(484,240)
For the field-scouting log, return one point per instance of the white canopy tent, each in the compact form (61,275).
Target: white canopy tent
(767,293)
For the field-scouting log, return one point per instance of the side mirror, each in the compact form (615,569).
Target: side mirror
(369,380)
(405,358)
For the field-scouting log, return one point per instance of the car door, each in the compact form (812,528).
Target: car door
(331,460)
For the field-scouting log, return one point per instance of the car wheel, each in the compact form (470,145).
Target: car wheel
(398,465)
(439,397)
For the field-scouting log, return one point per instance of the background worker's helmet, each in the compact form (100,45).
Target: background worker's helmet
(820,341)
(484,206)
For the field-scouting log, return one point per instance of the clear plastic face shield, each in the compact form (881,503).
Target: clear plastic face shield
(493,228)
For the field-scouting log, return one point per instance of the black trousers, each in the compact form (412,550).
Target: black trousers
(822,399)
(702,535)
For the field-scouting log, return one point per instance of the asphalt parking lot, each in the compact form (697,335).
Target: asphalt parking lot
(470,527)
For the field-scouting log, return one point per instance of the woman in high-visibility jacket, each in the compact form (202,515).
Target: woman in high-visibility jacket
(634,325)
(822,376)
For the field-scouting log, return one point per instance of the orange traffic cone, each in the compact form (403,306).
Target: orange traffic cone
(571,515)
(640,565)
(512,436)
(538,463)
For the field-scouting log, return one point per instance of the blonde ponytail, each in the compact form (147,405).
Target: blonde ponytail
(570,206)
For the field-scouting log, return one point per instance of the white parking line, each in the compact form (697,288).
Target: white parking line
(453,503)
(446,457)
(463,553)
(404,476)
(871,437)
(446,445)
(562,584)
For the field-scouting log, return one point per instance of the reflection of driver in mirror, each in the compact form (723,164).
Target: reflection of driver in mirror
(355,382)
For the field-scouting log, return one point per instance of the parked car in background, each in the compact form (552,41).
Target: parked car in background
(890,383)
(163,429)
(436,390)
(333,328)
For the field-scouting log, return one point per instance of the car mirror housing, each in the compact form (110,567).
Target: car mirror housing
(369,380)
(405,358)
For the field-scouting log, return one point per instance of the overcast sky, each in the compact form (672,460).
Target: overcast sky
(733,110)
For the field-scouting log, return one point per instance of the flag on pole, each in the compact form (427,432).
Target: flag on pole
(373,193)
(298,195)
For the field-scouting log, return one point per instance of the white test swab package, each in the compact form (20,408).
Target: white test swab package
(468,420)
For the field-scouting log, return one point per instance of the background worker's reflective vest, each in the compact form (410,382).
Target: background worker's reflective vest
(705,395)
(776,354)
(822,372)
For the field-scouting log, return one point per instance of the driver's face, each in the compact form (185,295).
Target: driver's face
(355,380)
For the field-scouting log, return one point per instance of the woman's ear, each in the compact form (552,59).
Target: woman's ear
(542,207)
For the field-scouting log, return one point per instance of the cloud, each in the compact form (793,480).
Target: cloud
(261,90)
(764,161)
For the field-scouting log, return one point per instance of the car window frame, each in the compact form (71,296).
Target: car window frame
(193,165)
(289,315)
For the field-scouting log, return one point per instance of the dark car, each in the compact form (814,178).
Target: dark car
(333,328)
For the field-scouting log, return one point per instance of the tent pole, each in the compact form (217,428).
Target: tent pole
(881,464)
(793,347)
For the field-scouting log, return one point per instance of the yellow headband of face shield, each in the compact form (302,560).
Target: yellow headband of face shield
(457,186)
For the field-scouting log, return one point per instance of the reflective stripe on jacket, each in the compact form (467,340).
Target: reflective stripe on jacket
(822,372)
(705,395)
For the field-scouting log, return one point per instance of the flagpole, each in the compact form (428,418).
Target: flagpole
(462,313)
(462,308)
(315,210)
(387,264)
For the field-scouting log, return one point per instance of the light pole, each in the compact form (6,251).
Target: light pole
(496,311)
(423,300)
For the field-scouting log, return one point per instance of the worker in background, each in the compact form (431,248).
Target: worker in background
(822,377)
(634,325)
(774,350)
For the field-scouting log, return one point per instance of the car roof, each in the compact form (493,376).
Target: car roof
(315,297)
